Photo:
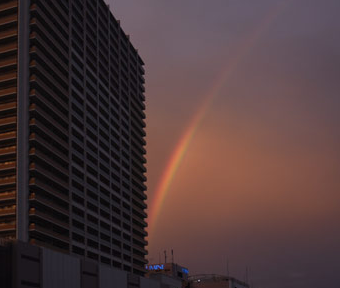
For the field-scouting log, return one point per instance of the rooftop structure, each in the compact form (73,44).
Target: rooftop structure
(171,269)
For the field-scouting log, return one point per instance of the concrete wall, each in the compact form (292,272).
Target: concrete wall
(149,283)
(111,278)
(59,270)
(26,265)
(167,281)
(5,267)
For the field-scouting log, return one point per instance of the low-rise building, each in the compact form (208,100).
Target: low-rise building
(215,281)
(26,265)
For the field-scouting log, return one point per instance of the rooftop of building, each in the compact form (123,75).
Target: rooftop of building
(215,278)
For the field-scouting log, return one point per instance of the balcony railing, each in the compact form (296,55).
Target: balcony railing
(7,180)
(8,195)
(10,165)
(50,233)
(7,210)
(8,5)
(7,226)
(45,216)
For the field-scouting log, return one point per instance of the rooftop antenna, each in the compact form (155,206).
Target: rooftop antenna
(251,282)
(227,268)
(165,256)
(172,255)
(246,274)
(159,257)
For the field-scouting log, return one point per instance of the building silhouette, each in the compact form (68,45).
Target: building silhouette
(72,132)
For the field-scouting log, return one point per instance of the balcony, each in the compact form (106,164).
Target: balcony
(140,203)
(8,18)
(8,107)
(44,128)
(140,239)
(8,61)
(7,226)
(139,229)
(45,13)
(8,5)
(45,244)
(35,213)
(37,49)
(39,32)
(46,76)
(7,210)
(140,249)
(60,7)
(42,141)
(8,195)
(49,90)
(11,180)
(49,160)
(8,91)
(49,175)
(49,104)
(8,166)
(139,210)
(139,192)
(60,74)
(8,150)
(141,259)
(9,35)
(5,77)
(9,121)
(49,203)
(47,117)
(139,220)
(48,232)
(48,188)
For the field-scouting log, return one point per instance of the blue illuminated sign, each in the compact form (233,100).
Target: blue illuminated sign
(154,267)
(185,271)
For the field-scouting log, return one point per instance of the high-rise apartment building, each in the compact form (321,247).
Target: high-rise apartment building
(72,131)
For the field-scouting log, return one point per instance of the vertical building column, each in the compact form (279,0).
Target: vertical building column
(70,129)
(22,177)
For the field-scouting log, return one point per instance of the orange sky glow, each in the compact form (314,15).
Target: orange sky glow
(256,182)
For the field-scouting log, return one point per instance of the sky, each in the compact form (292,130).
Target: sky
(256,86)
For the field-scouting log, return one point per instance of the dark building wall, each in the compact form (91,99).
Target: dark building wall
(48,125)
(26,266)
(83,189)
(106,135)
(45,102)
(8,116)
(6,269)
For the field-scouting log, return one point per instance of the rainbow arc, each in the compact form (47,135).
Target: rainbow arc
(183,144)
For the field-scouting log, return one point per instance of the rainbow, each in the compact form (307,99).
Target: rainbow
(183,144)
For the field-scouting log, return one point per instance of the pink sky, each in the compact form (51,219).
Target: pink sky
(259,184)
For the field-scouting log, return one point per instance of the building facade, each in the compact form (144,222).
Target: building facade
(72,132)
